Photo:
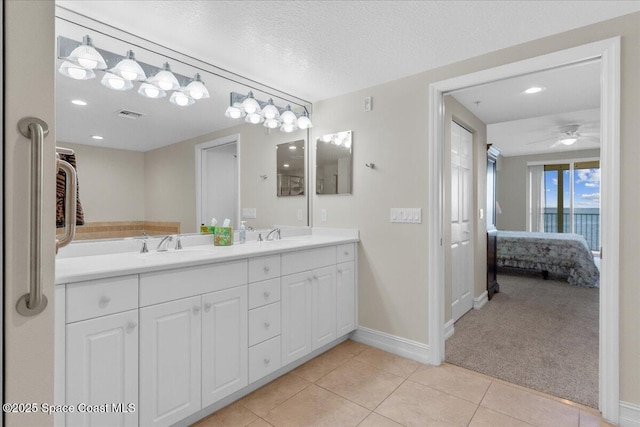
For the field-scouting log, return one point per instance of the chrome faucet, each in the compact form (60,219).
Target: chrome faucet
(178,242)
(163,246)
(275,230)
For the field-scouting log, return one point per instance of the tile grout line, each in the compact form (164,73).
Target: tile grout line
(479,403)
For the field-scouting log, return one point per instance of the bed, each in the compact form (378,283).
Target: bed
(563,254)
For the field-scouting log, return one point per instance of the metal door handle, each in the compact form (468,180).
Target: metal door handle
(34,302)
(267,324)
(266,294)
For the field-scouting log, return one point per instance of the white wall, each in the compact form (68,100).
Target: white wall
(29,91)
(392,268)
(511,185)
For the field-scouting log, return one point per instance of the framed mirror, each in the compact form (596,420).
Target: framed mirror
(334,163)
(136,156)
(290,161)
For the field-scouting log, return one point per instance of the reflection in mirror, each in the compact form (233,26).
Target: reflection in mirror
(334,163)
(140,176)
(290,165)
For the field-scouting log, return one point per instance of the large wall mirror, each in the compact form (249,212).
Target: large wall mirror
(136,156)
(334,163)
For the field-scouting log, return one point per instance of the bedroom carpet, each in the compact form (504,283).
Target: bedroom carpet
(541,334)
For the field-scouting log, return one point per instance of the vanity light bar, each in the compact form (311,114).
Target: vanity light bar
(241,105)
(65,47)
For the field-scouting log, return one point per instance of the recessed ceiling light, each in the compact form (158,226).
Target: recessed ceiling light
(78,102)
(292,147)
(97,137)
(534,89)
(286,165)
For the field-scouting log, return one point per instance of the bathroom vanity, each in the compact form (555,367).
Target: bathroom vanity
(166,338)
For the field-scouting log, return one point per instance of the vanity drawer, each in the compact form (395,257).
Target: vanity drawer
(346,252)
(169,285)
(264,323)
(95,298)
(263,293)
(263,268)
(264,358)
(295,262)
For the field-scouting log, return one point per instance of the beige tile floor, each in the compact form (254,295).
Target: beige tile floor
(357,385)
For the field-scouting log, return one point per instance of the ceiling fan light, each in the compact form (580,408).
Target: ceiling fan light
(270,111)
(568,140)
(250,105)
(129,69)
(150,91)
(115,82)
(288,117)
(196,89)
(76,72)
(233,112)
(181,99)
(87,56)
(165,79)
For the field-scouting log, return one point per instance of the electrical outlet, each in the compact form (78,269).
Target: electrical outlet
(368,106)
(249,213)
(323,215)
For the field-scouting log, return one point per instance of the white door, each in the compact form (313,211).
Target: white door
(296,316)
(170,338)
(224,343)
(219,183)
(461,221)
(323,323)
(102,360)
(346,297)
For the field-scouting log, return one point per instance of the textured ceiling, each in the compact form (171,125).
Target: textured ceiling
(320,49)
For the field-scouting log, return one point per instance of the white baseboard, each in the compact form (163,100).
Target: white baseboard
(480,301)
(397,345)
(629,415)
(448,329)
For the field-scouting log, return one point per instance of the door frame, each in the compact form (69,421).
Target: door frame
(200,149)
(608,51)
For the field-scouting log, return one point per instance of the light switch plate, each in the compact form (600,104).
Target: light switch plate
(406,215)
(249,213)
(323,215)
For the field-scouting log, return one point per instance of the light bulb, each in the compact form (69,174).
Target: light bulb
(165,79)
(87,56)
(116,82)
(287,127)
(250,105)
(271,123)
(253,118)
(196,89)
(77,73)
(288,117)
(270,111)
(129,69)
(150,91)
(327,138)
(304,122)
(233,112)
(181,99)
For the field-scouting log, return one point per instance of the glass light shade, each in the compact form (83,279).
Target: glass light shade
(288,127)
(568,141)
(272,123)
(181,99)
(304,122)
(129,69)
(150,91)
(115,82)
(87,56)
(253,118)
(327,138)
(196,89)
(250,105)
(288,117)
(234,112)
(270,111)
(76,72)
(165,79)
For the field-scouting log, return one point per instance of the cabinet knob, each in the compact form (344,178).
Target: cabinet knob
(267,324)
(104,301)
(309,279)
(196,309)
(315,277)
(131,325)
(208,306)
(266,294)
(346,253)
(266,269)
(267,360)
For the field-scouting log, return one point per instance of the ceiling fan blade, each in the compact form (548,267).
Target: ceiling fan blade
(591,134)
(541,140)
(556,144)
(589,138)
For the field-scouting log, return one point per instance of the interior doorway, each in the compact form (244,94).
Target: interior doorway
(608,52)
(218,181)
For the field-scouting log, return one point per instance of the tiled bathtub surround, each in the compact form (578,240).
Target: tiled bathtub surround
(357,385)
(121,229)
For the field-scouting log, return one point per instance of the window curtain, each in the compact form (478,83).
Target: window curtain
(535,198)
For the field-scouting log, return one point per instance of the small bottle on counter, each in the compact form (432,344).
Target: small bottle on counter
(243,232)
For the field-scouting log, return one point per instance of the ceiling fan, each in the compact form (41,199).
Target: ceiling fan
(570,134)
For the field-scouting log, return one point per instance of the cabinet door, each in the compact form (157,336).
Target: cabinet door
(170,337)
(224,343)
(323,323)
(296,316)
(346,297)
(102,360)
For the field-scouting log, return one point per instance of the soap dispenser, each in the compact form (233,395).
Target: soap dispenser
(243,232)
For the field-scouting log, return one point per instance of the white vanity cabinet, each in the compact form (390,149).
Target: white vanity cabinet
(346,288)
(102,351)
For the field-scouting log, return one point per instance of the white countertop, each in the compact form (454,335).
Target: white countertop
(80,268)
